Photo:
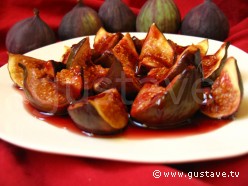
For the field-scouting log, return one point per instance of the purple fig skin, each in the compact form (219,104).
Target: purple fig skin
(29,34)
(164,13)
(80,21)
(162,110)
(117,16)
(206,20)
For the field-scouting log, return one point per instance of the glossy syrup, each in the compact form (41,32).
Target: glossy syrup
(198,125)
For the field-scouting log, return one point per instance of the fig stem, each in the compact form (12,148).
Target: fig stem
(80,2)
(36,12)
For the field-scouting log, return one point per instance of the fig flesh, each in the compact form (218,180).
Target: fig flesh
(156,51)
(160,107)
(126,53)
(120,77)
(224,98)
(212,64)
(29,34)
(49,94)
(105,40)
(16,72)
(102,114)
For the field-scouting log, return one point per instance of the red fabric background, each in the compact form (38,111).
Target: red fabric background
(25,167)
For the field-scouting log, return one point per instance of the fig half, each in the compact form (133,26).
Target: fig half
(16,72)
(78,54)
(102,114)
(212,64)
(156,51)
(120,77)
(224,98)
(52,94)
(160,107)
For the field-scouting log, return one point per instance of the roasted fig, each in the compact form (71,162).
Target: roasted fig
(160,107)
(79,54)
(105,41)
(102,114)
(126,53)
(226,92)
(189,57)
(28,34)
(16,72)
(50,94)
(161,54)
(93,74)
(80,21)
(117,16)
(164,13)
(120,77)
(212,64)
(206,20)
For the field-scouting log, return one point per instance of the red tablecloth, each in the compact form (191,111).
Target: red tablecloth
(23,167)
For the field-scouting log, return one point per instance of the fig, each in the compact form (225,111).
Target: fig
(117,16)
(160,107)
(80,21)
(29,34)
(126,53)
(102,114)
(161,54)
(189,57)
(225,95)
(164,13)
(105,40)
(120,77)
(16,72)
(212,64)
(49,94)
(206,20)
(93,74)
(79,54)
(105,60)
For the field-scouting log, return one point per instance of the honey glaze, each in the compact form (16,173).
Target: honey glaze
(199,124)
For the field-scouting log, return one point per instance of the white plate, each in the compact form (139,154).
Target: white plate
(19,127)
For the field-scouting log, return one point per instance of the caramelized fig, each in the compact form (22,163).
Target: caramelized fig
(190,57)
(212,64)
(80,21)
(93,74)
(168,107)
(29,34)
(163,76)
(79,54)
(16,72)
(156,51)
(120,77)
(70,82)
(126,53)
(105,41)
(105,60)
(50,94)
(206,20)
(102,114)
(117,16)
(226,92)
